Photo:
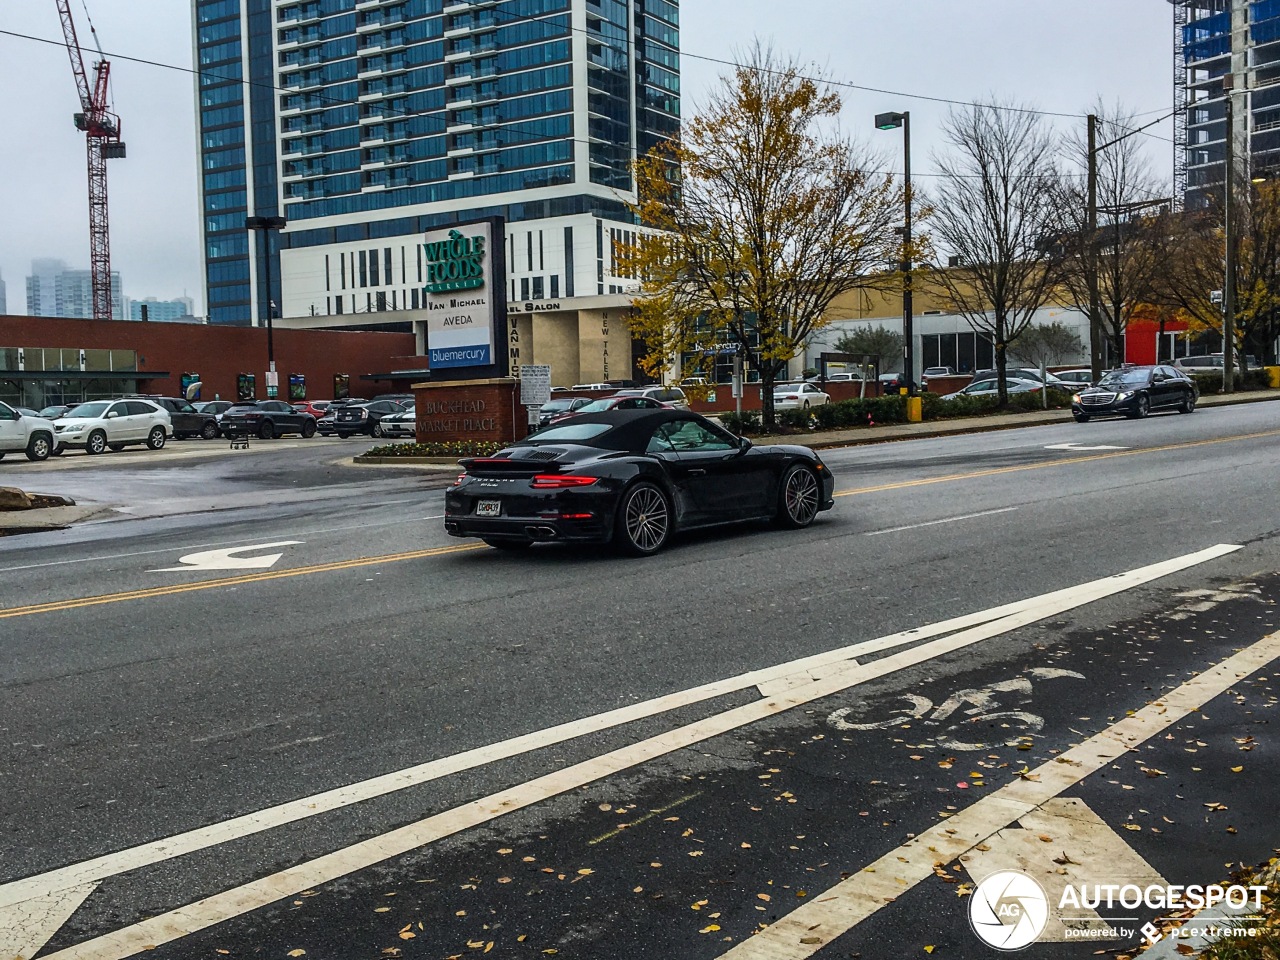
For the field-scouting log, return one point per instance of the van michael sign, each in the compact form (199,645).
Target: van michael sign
(464,296)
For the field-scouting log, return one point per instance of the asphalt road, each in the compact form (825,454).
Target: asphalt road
(569,754)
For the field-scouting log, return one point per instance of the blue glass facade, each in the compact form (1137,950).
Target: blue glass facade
(369,111)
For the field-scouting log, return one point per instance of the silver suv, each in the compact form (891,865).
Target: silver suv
(672,396)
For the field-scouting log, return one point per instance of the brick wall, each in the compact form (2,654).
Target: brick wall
(470,410)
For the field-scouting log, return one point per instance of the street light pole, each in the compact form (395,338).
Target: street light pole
(1229,236)
(1091,255)
(264,226)
(892,121)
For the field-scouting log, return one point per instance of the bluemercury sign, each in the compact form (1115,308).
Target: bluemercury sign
(460,294)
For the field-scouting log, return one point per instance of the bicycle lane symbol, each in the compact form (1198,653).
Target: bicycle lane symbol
(974,706)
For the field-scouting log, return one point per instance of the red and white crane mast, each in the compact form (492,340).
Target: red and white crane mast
(102,135)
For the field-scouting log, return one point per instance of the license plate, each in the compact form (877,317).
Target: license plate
(489,508)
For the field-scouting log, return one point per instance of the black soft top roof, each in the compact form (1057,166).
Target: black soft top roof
(631,429)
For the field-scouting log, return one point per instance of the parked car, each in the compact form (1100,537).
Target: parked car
(891,383)
(20,433)
(592,386)
(324,426)
(1078,378)
(187,420)
(633,478)
(352,418)
(101,425)
(404,399)
(838,378)
(990,387)
(671,396)
(55,411)
(798,396)
(615,402)
(1030,373)
(216,407)
(27,411)
(1211,363)
(1136,391)
(402,424)
(559,406)
(317,408)
(938,372)
(267,419)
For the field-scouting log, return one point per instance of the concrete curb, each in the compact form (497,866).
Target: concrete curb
(409,461)
(897,432)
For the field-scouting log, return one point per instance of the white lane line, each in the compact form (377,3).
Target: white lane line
(248,824)
(218,908)
(831,914)
(934,523)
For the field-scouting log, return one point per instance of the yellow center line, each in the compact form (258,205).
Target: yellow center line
(56,605)
(977,474)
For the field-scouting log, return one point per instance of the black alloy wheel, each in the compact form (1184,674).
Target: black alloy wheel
(97,443)
(209,431)
(1142,407)
(798,497)
(267,431)
(115,447)
(1081,417)
(155,439)
(1188,404)
(643,525)
(343,435)
(39,447)
(308,429)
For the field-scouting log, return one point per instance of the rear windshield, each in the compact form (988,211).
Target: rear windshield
(569,432)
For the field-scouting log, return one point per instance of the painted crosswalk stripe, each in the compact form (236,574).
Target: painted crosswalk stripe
(224,906)
(836,911)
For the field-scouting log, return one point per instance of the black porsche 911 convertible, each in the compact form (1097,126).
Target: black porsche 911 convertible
(632,478)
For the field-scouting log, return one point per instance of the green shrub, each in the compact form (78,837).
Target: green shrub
(1256,379)
(747,422)
(450,448)
(1026,402)
(935,407)
(795,419)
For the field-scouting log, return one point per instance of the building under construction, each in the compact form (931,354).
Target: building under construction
(1225,48)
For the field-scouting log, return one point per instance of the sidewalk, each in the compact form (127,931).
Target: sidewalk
(858,436)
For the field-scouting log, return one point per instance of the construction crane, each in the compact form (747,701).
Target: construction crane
(102,134)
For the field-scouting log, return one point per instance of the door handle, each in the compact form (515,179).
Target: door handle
(697,472)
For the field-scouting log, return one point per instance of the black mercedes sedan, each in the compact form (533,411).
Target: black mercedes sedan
(632,478)
(1134,392)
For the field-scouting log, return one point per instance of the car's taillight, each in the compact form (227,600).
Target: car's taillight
(791,396)
(364,414)
(461,477)
(555,481)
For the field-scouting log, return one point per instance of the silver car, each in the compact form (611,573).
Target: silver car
(399,424)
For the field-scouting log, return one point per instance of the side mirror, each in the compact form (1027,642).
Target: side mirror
(112,415)
(744,444)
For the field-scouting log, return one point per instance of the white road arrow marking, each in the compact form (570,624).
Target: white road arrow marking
(26,927)
(1077,447)
(226,559)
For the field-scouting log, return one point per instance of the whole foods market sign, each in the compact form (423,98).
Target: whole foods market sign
(464,293)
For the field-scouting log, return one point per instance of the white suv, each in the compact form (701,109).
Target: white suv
(30,435)
(101,425)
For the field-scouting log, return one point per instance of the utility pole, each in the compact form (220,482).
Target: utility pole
(1229,235)
(1091,256)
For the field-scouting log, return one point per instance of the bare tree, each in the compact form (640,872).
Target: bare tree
(766,215)
(1043,344)
(996,212)
(1124,255)
(879,343)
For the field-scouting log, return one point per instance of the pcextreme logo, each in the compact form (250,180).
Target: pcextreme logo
(1008,910)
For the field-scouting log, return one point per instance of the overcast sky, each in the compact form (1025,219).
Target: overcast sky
(1059,57)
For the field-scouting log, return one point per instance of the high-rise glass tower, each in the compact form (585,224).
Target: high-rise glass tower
(1222,45)
(361,121)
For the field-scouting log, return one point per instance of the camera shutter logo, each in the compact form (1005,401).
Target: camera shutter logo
(1008,910)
